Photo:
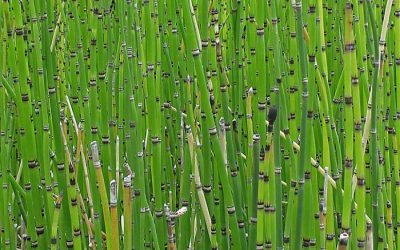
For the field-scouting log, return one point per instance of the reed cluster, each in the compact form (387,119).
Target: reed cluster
(196,124)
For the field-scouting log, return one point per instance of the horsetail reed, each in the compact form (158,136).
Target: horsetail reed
(193,124)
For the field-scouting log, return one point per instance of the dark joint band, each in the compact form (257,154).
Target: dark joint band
(212,131)
(261,105)
(150,67)
(70,244)
(34,244)
(19,31)
(256,138)
(360,243)
(72,181)
(269,209)
(350,47)
(28,186)
(360,181)
(330,237)
(348,100)
(306,243)
(74,202)
(105,140)
(207,188)
(32,164)
(357,126)
(234,173)
(348,163)
(159,214)
(195,52)
(60,166)
(39,230)
(57,205)
(77,232)
(25,97)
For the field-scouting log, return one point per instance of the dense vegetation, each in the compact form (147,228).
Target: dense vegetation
(196,124)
